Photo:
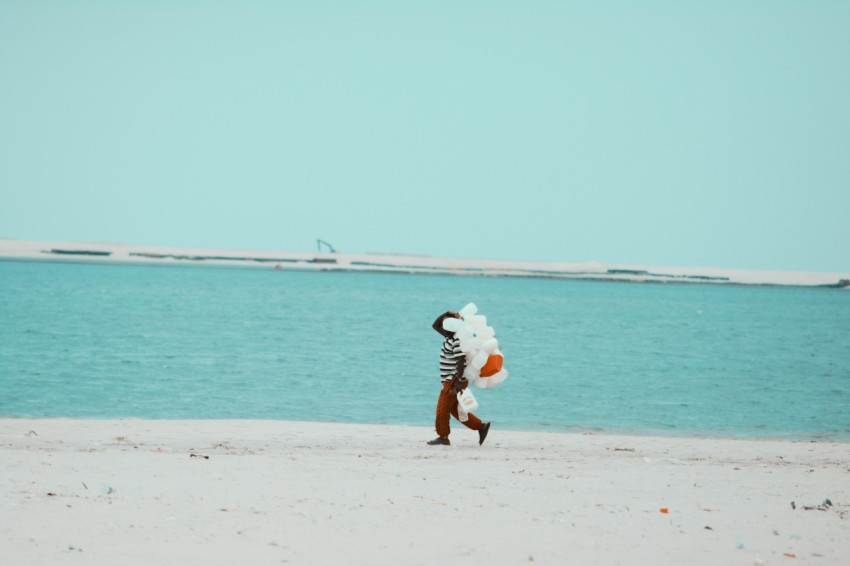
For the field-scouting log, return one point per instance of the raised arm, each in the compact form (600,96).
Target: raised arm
(438,324)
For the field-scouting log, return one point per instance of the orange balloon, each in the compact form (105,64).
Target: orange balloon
(493,365)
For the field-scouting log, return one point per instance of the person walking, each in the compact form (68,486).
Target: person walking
(452,364)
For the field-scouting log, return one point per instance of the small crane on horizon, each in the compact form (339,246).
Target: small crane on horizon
(330,247)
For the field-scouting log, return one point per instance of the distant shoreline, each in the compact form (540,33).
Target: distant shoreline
(122,254)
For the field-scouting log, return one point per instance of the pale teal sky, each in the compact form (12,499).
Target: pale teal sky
(662,133)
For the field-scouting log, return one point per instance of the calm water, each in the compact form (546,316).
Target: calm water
(201,342)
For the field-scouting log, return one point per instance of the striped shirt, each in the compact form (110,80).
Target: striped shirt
(449,356)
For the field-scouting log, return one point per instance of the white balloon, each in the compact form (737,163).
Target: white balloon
(472,345)
(452,324)
(486,333)
(468,310)
(475,320)
(465,334)
(479,360)
(490,345)
(497,378)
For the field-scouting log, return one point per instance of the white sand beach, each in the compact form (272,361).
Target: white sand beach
(122,253)
(274,492)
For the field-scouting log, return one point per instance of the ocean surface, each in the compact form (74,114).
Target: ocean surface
(107,341)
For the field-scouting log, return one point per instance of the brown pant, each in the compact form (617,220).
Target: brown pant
(447,404)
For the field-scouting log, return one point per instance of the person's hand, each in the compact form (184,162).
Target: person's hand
(454,314)
(458,387)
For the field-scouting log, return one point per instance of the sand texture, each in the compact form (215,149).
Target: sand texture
(274,492)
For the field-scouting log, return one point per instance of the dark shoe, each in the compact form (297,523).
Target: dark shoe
(482,432)
(440,440)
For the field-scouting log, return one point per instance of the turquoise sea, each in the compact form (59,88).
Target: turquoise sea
(111,341)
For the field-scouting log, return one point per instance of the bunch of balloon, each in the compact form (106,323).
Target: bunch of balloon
(484,360)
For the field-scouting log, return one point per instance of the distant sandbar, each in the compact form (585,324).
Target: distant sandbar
(118,253)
